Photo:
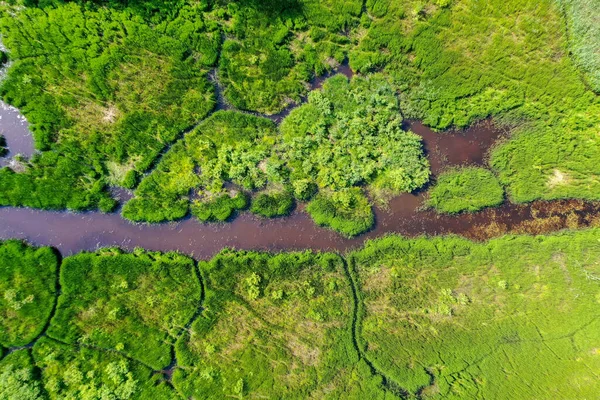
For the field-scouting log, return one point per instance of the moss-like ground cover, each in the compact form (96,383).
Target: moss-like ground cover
(134,303)
(400,318)
(514,317)
(465,189)
(273,326)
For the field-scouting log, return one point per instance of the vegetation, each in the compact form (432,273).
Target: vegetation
(110,88)
(228,146)
(272,204)
(17,377)
(465,189)
(583,32)
(84,373)
(448,318)
(104,93)
(347,212)
(134,303)
(351,133)
(273,326)
(220,207)
(400,318)
(28,290)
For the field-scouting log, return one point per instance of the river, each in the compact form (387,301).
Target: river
(73,232)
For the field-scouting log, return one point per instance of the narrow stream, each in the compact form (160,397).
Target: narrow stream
(74,232)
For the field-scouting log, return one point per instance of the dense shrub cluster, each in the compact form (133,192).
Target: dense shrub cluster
(465,189)
(227,147)
(109,86)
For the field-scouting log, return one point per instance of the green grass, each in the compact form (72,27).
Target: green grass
(347,212)
(135,303)
(275,326)
(465,189)
(513,317)
(584,30)
(104,91)
(444,317)
(28,291)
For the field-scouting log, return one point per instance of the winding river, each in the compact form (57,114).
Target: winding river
(73,232)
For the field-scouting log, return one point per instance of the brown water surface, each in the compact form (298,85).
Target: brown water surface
(15,129)
(73,232)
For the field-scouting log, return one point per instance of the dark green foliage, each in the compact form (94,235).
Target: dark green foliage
(274,326)
(273,48)
(220,207)
(272,204)
(347,212)
(449,318)
(465,189)
(83,373)
(3,58)
(134,303)
(3,148)
(27,290)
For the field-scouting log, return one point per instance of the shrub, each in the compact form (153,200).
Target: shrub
(347,212)
(220,207)
(272,204)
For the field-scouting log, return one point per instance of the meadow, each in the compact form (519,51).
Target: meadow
(422,318)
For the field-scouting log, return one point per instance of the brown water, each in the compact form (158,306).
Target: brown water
(74,232)
(71,232)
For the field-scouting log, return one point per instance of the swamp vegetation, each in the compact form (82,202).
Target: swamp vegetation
(120,94)
(424,318)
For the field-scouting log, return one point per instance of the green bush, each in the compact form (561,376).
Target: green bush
(18,380)
(228,146)
(347,212)
(465,189)
(351,133)
(27,291)
(220,207)
(272,204)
